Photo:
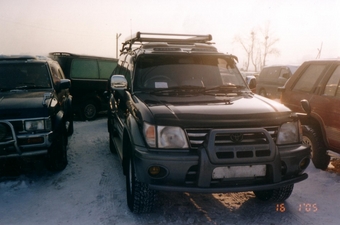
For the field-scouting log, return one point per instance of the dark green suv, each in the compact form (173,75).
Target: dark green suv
(89,76)
(35,110)
(183,119)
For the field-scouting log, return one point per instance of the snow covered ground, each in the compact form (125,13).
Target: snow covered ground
(91,190)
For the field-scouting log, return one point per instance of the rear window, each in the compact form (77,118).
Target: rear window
(84,68)
(91,68)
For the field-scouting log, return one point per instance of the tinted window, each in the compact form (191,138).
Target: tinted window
(285,73)
(264,73)
(332,87)
(84,68)
(24,75)
(274,72)
(270,73)
(172,71)
(106,68)
(308,78)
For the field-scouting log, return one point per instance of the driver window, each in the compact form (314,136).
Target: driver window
(285,73)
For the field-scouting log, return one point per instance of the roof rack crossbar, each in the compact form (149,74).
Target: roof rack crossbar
(164,37)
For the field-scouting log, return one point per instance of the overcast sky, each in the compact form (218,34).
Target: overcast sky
(90,26)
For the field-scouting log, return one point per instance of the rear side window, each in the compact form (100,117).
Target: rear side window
(308,78)
(84,68)
(264,73)
(270,73)
(106,68)
(332,87)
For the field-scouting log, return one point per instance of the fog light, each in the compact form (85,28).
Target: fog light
(29,141)
(154,170)
(304,163)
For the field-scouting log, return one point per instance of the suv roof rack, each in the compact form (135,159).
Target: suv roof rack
(168,38)
(21,57)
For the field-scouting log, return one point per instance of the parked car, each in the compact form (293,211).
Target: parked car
(251,82)
(317,81)
(89,76)
(182,118)
(272,77)
(249,73)
(35,110)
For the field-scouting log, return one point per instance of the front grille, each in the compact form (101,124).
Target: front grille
(17,125)
(5,132)
(198,136)
(8,129)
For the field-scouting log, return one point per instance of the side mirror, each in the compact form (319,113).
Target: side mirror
(118,83)
(286,75)
(62,85)
(306,106)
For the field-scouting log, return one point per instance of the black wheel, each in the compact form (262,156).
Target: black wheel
(89,110)
(263,93)
(140,198)
(312,136)
(277,195)
(57,154)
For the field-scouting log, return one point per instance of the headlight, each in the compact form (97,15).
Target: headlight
(171,137)
(38,125)
(165,136)
(289,133)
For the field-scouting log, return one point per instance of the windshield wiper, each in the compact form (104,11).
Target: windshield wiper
(30,87)
(225,87)
(178,89)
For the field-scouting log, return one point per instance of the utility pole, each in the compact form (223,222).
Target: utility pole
(117,37)
(319,52)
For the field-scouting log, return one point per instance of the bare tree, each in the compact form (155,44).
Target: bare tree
(248,44)
(268,44)
(258,48)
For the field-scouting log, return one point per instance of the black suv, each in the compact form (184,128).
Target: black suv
(183,119)
(35,110)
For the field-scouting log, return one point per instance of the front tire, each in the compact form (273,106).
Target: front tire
(276,195)
(312,136)
(140,197)
(57,154)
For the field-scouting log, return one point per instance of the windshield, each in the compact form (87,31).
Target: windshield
(23,76)
(176,71)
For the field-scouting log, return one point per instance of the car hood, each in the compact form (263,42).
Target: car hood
(215,111)
(23,104)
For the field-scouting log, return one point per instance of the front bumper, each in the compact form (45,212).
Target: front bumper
(24,144)
(192,171)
